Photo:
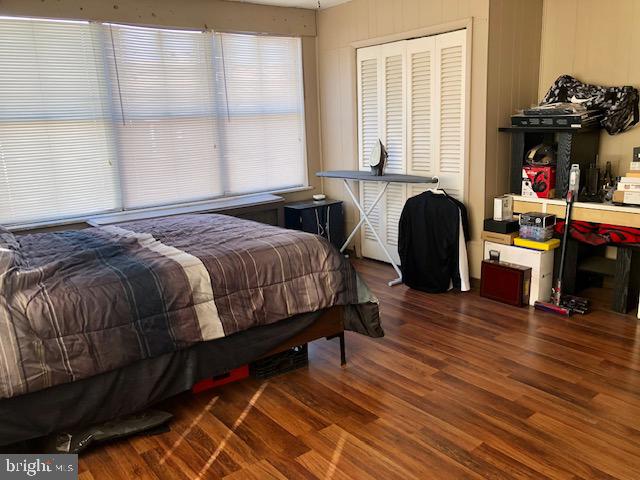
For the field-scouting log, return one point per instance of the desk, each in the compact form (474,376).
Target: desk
(386,179)
(584,211)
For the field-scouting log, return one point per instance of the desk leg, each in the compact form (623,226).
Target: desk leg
(365,218)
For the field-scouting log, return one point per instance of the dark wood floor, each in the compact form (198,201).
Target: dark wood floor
(460,387)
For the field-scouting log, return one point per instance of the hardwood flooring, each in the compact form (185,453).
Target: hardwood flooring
(460,387)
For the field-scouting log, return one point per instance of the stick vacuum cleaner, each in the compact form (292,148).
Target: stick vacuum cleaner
(564,304)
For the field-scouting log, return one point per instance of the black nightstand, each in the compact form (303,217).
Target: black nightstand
(323,217)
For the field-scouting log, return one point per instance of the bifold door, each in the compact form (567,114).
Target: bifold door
(411,95)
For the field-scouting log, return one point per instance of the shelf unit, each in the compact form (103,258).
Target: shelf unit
(574,145)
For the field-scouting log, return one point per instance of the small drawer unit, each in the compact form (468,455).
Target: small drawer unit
(322,217)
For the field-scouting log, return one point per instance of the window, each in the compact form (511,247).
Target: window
(412,96)
(56,131)
(264,112)
(165,120)
(100,117)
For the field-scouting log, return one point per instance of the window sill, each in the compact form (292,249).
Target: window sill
(208,206)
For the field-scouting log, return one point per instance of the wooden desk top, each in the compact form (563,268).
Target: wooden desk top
(585,211)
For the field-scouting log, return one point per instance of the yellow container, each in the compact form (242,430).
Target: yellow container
(548,245)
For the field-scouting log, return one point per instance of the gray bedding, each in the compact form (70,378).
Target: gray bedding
(80,303)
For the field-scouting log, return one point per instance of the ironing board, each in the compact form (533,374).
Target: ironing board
(386,179)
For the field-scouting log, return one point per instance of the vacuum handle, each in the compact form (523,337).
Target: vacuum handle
(565,236)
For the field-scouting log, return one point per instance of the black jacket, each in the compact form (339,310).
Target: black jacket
(432,244)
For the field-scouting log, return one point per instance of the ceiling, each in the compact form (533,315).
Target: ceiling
(296,3)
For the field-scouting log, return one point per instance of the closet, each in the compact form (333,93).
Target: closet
(412,95)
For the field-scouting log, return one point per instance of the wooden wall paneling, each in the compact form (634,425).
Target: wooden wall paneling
(569,46)
(391,17)
(514,50)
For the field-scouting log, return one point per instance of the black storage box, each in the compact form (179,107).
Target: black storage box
(282,362)
(501,226)
(590,118)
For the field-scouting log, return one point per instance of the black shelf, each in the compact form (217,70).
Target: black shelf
(574,145)
(548,129)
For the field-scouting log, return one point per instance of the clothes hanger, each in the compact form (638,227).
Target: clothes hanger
(436,189)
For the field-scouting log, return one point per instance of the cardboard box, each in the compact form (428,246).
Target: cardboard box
(630,198)
(628,179)
(502,238)
(503,208)
(539,181)
(632,187)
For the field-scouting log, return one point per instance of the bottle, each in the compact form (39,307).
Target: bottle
(608,176)
(574,179)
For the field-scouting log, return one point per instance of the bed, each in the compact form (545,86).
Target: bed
(102,322)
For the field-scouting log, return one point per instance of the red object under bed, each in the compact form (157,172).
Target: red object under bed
(232,376)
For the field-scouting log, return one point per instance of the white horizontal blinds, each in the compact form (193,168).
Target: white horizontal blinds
(368,108)
(394,106)
(420,106)
(264,135)
(451,77)
(55,148)
(167,126)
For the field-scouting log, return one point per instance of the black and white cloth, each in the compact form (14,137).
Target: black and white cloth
(433,232)
(619,104)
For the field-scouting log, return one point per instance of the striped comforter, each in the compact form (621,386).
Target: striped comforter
(78,303)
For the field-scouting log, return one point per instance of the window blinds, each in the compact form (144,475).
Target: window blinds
(262,88)
(166,123)
(101,117)
(56,141)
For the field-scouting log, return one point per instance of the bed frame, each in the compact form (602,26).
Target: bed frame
(113,387)
(329,325)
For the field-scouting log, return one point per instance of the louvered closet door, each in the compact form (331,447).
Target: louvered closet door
(421,87)
(394,121)
(369,113)
(449,121)
(411,95)
(383,116)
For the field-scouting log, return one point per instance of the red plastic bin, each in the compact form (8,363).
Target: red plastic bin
(229,377)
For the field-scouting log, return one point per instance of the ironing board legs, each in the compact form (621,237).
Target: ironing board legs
(364,218)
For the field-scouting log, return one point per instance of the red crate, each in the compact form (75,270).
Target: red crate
(229,377)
